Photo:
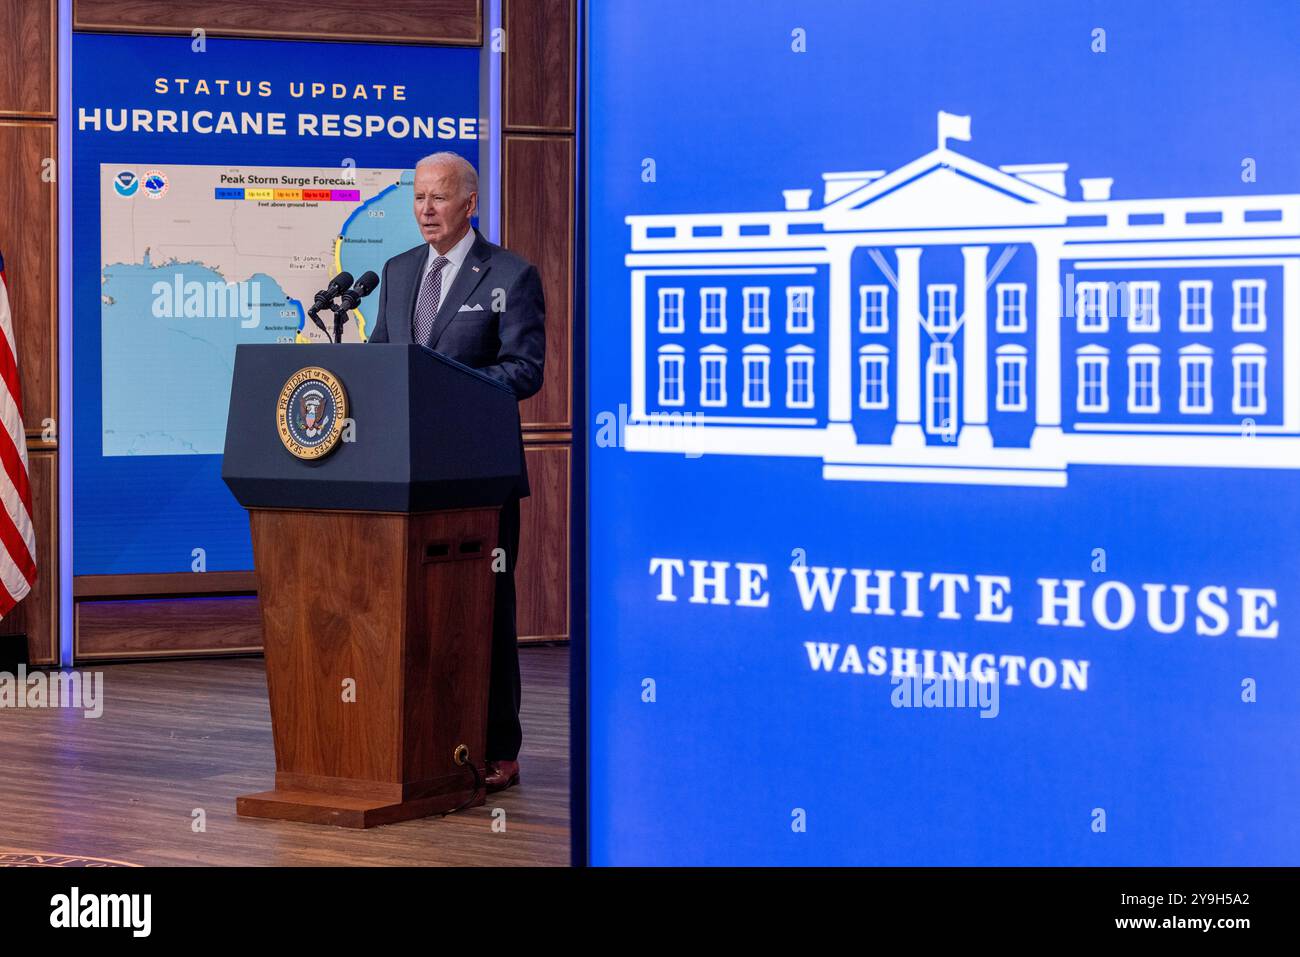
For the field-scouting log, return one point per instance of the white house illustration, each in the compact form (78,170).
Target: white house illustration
(951,322)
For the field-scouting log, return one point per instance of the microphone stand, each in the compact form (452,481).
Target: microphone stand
(340,319)
(317,319)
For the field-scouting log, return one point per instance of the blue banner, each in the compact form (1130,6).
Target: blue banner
(945,441)
(217,184)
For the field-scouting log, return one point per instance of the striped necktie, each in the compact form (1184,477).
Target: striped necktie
(426,307)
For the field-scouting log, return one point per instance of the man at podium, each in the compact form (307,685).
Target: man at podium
(481,305)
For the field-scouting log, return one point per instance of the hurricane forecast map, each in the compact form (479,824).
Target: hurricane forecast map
(198,259)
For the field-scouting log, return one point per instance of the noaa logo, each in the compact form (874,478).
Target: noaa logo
(310,412)
(155,183)
(126,183)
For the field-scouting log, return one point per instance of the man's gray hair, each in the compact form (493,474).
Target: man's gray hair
(464,168)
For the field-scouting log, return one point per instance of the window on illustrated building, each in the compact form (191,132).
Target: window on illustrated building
(941,390)
(713,376)
(1011,395)
(873,308)
(1194,366)
(1144,379)
(1012,297)
(671,318)
(1195,313)
(1144,306)
(873,377)
(799,378)
(1090,307)
(756,317)
(1094,367)
(672,368)
(799,309)
(1248,396)
(1248,305)
(757,363)
(713,310)
(943,307)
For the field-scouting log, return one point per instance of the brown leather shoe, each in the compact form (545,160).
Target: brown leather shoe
(501,775)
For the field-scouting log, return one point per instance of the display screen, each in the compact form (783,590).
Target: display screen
(944,378)
(217,185)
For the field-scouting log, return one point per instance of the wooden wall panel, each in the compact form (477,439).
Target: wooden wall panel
(454,22)
(29,243)
(542,575)
(28,57)
(167,627)
(164,583)
(539,74)
(538,215)
(537,223)
(37,614)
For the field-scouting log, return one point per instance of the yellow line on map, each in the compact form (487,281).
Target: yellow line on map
(338,268)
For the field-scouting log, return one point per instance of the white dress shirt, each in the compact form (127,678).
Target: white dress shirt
(456,258)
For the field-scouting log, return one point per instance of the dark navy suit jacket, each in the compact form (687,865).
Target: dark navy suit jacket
(493,318)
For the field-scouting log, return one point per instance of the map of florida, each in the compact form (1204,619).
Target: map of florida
(198,259)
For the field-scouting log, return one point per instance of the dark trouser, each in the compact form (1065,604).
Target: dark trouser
(503,732)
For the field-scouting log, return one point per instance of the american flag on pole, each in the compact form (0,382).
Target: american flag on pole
(17,539)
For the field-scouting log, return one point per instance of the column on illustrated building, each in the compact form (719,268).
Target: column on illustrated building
(639,336)
(1047,347)
(1291,345)
(839,358)
(975,359)
(908,432)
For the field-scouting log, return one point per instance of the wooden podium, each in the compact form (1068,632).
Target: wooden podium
(375,567)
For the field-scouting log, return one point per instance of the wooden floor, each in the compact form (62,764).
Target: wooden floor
(180,736)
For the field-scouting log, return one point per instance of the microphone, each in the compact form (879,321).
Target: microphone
(336,287)
(364,287)
(351,299)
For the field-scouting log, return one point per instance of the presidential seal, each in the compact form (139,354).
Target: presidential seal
(310,412)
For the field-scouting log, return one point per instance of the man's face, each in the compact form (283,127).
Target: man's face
(441,209)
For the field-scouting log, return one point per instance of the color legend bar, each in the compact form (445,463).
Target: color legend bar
(289,195)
